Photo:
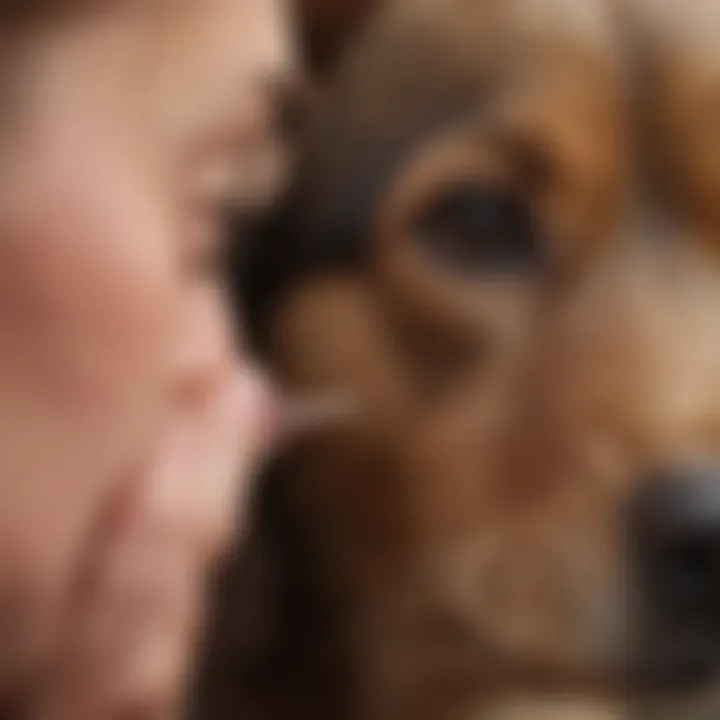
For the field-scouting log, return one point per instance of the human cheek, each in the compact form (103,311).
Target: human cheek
(89,297)
(95,285)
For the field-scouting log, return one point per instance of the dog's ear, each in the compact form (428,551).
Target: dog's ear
(327,27)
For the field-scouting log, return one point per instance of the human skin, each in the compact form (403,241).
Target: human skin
(130,420)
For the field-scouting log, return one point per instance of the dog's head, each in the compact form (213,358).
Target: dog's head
(505,242)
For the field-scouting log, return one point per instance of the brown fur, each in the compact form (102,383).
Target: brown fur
(466,532)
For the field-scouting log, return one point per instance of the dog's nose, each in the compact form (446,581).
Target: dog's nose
(675,532)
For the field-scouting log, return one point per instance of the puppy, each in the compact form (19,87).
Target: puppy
(504,241)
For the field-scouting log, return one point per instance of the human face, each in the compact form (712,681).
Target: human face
(126,130)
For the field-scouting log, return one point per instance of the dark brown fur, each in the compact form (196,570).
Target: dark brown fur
(328,26)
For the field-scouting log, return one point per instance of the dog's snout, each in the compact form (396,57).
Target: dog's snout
(675,531)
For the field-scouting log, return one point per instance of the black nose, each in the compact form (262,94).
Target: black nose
(676,531)
(675,544)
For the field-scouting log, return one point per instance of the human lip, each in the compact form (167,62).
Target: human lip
(263,411)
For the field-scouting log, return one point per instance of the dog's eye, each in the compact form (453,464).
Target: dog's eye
(480,229)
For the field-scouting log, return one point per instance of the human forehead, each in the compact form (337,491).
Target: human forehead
(211,54)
